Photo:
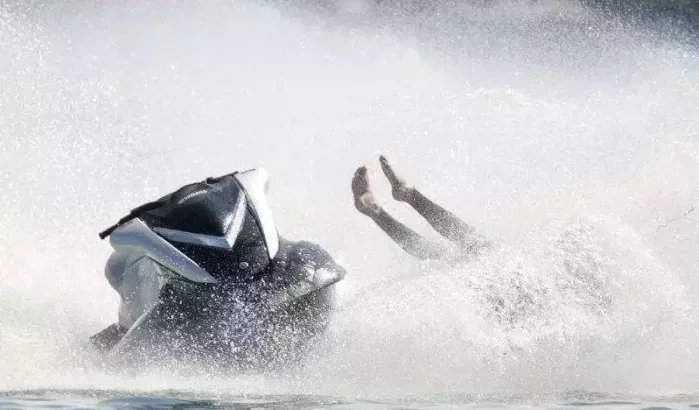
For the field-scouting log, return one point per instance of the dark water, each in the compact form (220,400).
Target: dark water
(99,399)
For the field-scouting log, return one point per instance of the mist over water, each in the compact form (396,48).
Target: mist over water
(569,140)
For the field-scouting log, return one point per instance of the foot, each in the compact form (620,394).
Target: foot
(364,199)
(400,189)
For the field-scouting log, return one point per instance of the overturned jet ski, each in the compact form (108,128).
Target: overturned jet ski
(203,274)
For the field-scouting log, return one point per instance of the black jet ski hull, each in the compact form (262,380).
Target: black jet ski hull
(239,335)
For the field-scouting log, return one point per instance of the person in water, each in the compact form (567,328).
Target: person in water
(467,241)
(581,270)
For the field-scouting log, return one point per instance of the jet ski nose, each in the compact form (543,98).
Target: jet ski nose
(202,208)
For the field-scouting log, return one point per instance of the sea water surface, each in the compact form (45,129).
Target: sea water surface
(91,399)
(567,137)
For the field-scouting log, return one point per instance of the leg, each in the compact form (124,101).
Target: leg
(406,238)
(447,224)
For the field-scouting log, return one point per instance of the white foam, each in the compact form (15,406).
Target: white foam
(525,129)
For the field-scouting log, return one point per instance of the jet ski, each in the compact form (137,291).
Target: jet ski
(203,275)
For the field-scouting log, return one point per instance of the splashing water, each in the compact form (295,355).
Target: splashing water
(568,139)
